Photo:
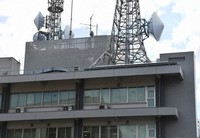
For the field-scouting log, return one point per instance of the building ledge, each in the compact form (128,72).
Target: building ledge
(118,71)
(100,113)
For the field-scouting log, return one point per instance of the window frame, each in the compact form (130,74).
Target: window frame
(149,88)
(119,95)
(137,98)
(67,100)
(92,96)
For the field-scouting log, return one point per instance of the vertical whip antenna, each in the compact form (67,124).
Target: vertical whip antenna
(70,31)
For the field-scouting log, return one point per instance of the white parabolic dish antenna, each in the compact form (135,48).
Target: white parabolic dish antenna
(156,26)
(39,37)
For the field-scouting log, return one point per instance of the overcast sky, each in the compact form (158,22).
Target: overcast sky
(181,19)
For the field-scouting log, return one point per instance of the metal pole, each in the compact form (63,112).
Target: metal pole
(70,32)
(91,24)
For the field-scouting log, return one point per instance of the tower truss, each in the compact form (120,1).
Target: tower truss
(53,21)
(127,36)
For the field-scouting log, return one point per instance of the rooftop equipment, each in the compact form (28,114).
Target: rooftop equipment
(128,33)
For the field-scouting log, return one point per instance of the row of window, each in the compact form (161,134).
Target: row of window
(114,131)
(120,131)
(42,99)
(64,132)
(95,96)
(121,95)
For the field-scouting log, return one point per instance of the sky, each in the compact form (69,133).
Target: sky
(181,19)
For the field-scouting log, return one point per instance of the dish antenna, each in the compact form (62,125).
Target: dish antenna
(128,33)
(156,26)
(39,36)
(52,22)
(39,21)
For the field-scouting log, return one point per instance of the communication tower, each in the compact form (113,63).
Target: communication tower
(127,35)
(53,21)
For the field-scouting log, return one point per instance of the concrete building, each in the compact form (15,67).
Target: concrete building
(154,100)
(9,66)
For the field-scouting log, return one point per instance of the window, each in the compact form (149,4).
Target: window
(54,98)
(50,98)
(67,97)
(105,96)
(92,96)
(91,132)
(121,95)
(141,131)
(51,133)
(127,131)
(30,99)
(29,133)
(43,133)
(136,94)
(118,95)
(10,134)
(71,97)
(37,99)
(40,133)
(151,96)
(58,132)
(42,99)
(61,133)
(132,131)
(108,131)
(33,99)
(21,100)
(64,132)
(120,131)
(17,100)
(47,98)
(18,133)
(13,100)
(152,130)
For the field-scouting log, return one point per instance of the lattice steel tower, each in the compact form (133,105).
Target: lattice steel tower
(127,36)
(53,21)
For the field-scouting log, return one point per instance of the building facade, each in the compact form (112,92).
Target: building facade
(152,100)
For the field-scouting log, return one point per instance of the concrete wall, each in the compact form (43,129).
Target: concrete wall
(119,82)
(65,53)
(9,66)
(181,94)
(43,86)
(40,124)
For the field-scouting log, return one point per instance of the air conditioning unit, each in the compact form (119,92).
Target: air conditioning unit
(68,108)
(20,110)
(77,68)
(101,106)
(106,106)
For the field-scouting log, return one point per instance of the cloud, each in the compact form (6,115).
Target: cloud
(3,19)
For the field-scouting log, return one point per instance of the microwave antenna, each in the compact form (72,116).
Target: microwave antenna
(128,33)
(51,22)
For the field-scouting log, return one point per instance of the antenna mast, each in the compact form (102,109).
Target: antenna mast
(127,36)
(70,31)
(53,21)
